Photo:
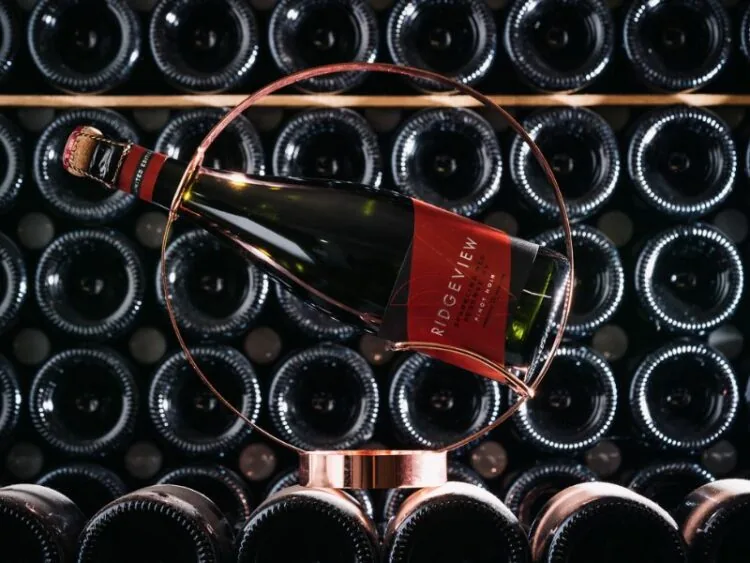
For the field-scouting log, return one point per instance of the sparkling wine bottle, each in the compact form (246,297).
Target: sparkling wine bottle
(667,484)
(9,31)
(310,321)
(204,45)
(309,33)
(684,396)
(745,33)
(327,524)
(559,45)
(605,522)
(165,523)
(12,161)
(84,46)
(39,525)
(89,486)
(454,522)
(677,45)
(346,247)
(84,402)
(13,282)
(324,397)
(10,401)
(188,417)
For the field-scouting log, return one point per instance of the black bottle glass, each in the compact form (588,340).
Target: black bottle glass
(335,144)
(576,405)
(72,197)
(187,416)
(238,148)
(13,282)
(90,284)
(559,45)
(689,278)
(309,33)
(324,397)
(12,161)
(682,161)
(39,525)
(684,396)
(328,525)
(582,150)
(433,404)
(291,478)
(745,33)
(605,522)
(713,519)
(84,46)
(165,523)
(532,489)
(599,277)
(84,402)
(204,45)
(454,522)
(309,320)
(457,472)
(9,39)
(90,486)
(10,401)
(455,38)
(223,486)
(216,293)
(449,157)
(677,45)
(667,484)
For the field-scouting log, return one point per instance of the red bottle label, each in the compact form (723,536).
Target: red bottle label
(454,289)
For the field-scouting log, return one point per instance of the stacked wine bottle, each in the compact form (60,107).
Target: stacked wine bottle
(647,392)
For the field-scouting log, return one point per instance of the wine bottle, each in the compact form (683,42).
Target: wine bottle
(84,46)
(533,488)
(455,38)
(9,31)
(328,524)
(346,245)
(454,522)
(559,45)
(13,282)
(582,150)
(12,161)
(678,45)
(433,404)
(576,405)
(215,293)
(223,486)
(38,525)
(89,283)
(89,486)
(309,320)
(684,396)
(599,277)
(10,401)
(165,523)
(324,398)
(186,414)
(712,519)
(745,33)
(238,147)
(204,47)
(71,197)
(667,484)
(304,34)
(682,161)
(334,144)
(291,478)
(457,472)
(84,402)
(449,157)
(689,278)
(605,522)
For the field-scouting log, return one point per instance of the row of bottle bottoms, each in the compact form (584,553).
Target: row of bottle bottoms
(208,47)
(682,161)
(683,397)
(454,522)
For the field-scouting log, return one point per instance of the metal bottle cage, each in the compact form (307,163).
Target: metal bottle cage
(523,390)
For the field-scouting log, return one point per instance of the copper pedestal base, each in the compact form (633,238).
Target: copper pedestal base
(373,469)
